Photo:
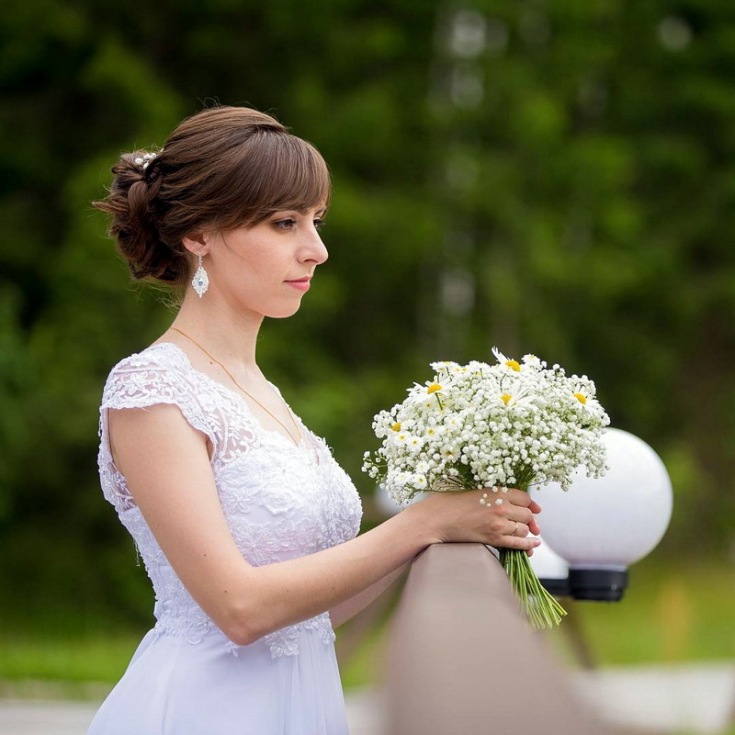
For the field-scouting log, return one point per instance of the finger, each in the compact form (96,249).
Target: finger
(523,500)
(504,504)
(524,544)
(516,513)
(519,497)
(518,529)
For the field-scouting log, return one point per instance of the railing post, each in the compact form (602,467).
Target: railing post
(462,660)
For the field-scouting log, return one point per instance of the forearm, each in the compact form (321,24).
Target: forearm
(342,578)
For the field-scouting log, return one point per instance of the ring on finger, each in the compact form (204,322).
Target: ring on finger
(515,529)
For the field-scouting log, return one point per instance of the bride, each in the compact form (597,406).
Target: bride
(247,526)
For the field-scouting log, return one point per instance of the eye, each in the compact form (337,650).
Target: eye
(287,223)
(319,222)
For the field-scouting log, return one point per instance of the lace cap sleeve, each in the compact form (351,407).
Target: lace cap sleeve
(150,378)
(154,376)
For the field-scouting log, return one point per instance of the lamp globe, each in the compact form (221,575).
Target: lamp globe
(602,526)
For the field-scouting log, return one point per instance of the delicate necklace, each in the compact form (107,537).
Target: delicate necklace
(296,439)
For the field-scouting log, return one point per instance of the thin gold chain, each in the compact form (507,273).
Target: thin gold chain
(296,439)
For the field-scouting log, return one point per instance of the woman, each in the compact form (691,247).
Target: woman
(247,526)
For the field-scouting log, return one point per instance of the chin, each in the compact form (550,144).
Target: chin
(284,313)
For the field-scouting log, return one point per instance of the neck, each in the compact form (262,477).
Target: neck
(231,336)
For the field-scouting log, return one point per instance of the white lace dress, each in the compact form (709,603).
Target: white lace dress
(281,501)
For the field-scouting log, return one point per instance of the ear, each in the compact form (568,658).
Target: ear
(197,243)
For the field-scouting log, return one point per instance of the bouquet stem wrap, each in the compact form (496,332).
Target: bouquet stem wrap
(507,425)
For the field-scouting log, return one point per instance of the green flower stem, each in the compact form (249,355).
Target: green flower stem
(542,609)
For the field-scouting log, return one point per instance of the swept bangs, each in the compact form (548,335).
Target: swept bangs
(269,172)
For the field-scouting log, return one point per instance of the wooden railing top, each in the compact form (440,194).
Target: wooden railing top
(463,660)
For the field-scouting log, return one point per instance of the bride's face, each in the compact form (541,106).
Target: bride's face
(267,268)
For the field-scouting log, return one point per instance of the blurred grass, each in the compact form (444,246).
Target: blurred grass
(85,657)
(674,611)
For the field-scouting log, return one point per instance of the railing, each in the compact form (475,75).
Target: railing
(462,661)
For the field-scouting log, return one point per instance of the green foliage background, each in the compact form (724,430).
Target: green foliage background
(550,177)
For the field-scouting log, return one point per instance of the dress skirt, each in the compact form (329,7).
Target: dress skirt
(173,687)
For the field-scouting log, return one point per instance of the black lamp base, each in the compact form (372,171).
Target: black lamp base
(602,585)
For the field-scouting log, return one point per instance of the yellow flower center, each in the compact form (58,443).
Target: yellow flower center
(514,365)
(506,398)
(433,388)
(396,426)
(581,397)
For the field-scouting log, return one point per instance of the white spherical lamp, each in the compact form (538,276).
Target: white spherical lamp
(551,569)
(602,526)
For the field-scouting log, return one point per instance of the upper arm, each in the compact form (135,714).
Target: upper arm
(165,462)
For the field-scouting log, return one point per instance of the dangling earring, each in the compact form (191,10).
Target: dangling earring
(200,282)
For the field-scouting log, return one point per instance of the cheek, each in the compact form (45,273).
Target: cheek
(261,264)
(242,268)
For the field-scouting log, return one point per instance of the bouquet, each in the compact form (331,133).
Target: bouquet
(508,425)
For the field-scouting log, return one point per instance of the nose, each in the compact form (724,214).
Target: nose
(314,250)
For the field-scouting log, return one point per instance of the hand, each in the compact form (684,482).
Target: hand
(504,518)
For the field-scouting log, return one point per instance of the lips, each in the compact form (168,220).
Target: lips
(301,284)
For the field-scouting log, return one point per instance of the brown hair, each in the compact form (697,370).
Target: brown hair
(221,169)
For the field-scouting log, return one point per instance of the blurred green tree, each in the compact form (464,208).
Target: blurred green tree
(552,178)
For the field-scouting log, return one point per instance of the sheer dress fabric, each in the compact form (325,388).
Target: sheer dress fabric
(281,501)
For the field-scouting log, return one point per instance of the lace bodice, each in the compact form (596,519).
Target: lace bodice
(281,501)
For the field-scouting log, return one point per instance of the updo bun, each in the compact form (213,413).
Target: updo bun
(221,169)
(132,204)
